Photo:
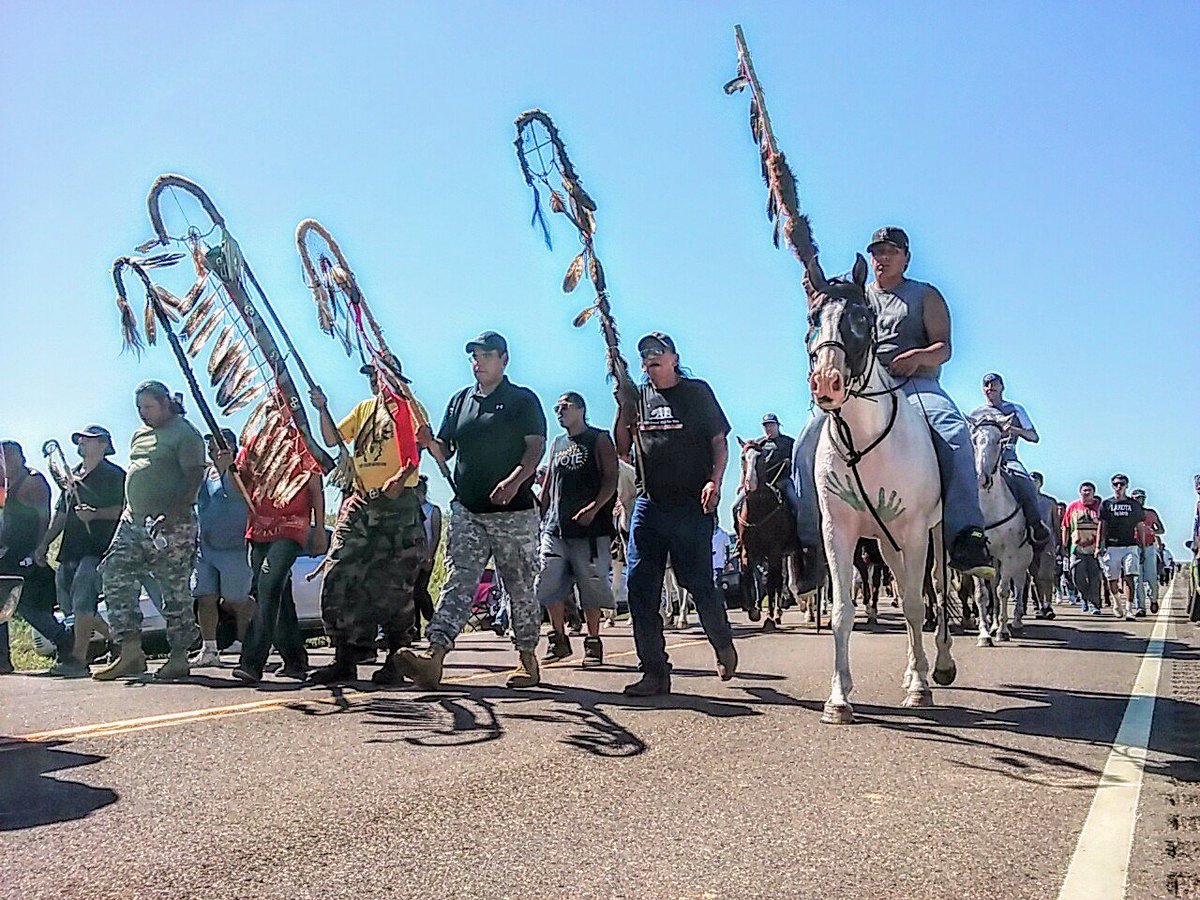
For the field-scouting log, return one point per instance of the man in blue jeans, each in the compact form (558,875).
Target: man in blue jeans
(679,437)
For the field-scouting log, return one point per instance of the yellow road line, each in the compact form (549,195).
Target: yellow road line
(164,720)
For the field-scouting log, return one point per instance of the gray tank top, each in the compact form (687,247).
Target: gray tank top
(901,320)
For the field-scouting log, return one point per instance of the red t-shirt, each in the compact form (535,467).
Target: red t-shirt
(1145,533)
(269,522)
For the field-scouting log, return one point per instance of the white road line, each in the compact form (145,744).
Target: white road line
(1100,865)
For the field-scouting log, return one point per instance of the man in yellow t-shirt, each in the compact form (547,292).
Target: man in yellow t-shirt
(378,544)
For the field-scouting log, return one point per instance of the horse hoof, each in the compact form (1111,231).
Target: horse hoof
(929,627)
(755,614)
(985,642)
(872,622)
(946,677)
(1004,636)
(919,699)
(838,715)
(768,625)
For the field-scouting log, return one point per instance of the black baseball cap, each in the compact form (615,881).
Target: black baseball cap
(390,363)
(95,431)
(770,417)
(890,235)
(657,339)
(488,340)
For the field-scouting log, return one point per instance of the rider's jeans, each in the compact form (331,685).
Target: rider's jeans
(685,534)
(951,443)
(1023,487)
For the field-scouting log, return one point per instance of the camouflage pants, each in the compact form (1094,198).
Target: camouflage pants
(131,557)
(510,537)
(377,550)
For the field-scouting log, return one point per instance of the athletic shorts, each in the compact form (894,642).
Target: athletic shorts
(78,586)
(583,563)
(1120,561)
(224,573)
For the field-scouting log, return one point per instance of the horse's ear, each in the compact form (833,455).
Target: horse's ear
(973,421)
(816,277)
(1009,421)
(860,270)
(741,443)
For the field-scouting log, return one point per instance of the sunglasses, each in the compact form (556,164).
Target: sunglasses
(652,352)
(564,405)
(1120,484)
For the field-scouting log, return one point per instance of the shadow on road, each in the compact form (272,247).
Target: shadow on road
(29,797)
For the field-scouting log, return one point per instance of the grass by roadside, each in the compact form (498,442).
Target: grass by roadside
(24,657)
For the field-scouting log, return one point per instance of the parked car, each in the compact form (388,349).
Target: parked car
(306,594)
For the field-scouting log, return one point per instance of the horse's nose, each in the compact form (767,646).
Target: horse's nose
(826,383)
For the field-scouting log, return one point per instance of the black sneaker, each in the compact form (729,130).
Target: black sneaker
(593,652)
(1141,614)
(1154,607)
(559,648)
(247,675)
(300,673)
(969,554)
(649,686)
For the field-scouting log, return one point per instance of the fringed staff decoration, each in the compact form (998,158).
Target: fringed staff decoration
(246,362)
(541,152)
(60,471)
(162,314)
(343,313)
(783,205)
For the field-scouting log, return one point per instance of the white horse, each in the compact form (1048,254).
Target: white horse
(1006,530)
(876,476)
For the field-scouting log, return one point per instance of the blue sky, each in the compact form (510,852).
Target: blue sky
(1042,157)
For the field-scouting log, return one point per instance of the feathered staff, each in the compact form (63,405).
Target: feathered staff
(60,471)
(343,313)
(541,152)
(246,360)
(783,205)
(160,316)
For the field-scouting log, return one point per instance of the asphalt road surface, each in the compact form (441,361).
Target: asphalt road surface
(213,790)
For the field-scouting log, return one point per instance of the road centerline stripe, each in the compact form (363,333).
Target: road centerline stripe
(1100,865)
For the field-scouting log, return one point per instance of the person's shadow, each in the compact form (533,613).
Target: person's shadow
(29,796)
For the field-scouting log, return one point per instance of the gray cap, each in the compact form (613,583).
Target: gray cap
(488,340)
(770,417)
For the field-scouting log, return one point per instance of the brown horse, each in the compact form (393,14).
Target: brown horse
(766,535)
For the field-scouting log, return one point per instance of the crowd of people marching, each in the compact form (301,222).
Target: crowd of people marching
(184,524)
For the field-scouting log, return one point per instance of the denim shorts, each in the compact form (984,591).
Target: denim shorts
(222,573)
(78,586)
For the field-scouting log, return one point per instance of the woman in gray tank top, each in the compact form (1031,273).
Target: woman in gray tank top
(913,327)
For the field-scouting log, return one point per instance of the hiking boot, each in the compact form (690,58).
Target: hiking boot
(727,660)
(649,686)
(247,675)
(389,674)
(176,667)
(424,668)
(343,668)
(559,648)
(811,560)
(130,660)
(969,554)
(70,667)
(526,674)
(593,652)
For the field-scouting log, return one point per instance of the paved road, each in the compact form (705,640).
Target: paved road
(722,790)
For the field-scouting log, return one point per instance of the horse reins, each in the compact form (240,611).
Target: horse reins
(992,477)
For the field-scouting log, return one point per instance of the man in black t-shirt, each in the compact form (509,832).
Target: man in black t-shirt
(776,448)
(87,529)
(496,432)
(679,438)
(1120,516)
(579,489)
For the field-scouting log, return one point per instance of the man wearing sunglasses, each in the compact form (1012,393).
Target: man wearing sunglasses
(1120,516)
(678,434)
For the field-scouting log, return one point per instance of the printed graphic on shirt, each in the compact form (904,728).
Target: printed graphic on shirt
(660,416)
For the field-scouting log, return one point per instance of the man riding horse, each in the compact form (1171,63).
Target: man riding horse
(913,342)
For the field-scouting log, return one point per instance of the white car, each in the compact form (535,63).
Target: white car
(305,593)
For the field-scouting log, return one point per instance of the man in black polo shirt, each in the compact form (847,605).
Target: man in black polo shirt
(87,530)
(496,432)
(679,436)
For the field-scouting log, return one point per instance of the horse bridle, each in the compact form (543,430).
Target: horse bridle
(991,477)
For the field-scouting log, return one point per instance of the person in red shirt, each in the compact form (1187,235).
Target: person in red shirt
(1080,537)
(1147,533)
(277,536)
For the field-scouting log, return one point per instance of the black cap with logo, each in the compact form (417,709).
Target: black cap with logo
(890,235)
(657,340)
(488,340)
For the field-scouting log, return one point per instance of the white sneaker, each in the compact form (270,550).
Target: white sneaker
(206,658)
(1130,617)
